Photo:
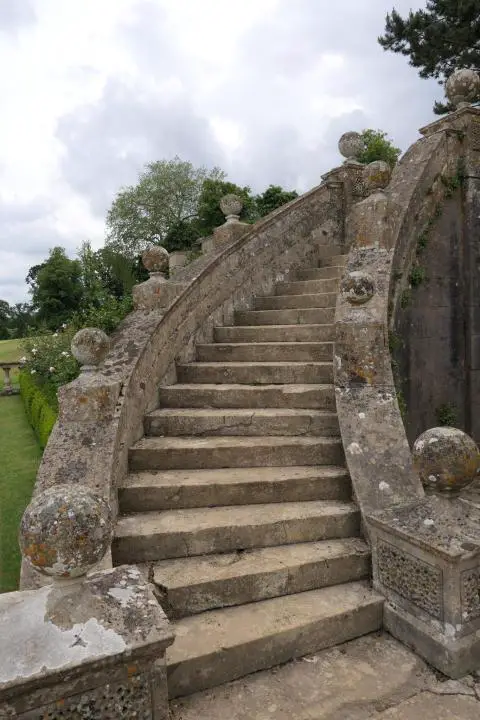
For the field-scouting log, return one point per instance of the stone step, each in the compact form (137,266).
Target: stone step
(325,252)
(220,645)
(265,352)
(194,585)
(293,316)
(178,453)
(322,273)
(281,302)
(251,373)
(145,537)
(241,421)
(301,287)
(188,395)
(179,489)
(275,333)
(338,260)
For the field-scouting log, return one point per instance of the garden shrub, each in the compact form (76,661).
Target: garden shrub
(48,362)
(40,414)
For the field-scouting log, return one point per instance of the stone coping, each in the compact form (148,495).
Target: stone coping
(68,629)
(447,527)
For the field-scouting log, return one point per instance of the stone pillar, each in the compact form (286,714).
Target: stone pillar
(232,229)
(157,292)
(7,380)
(176,261)
(86,645)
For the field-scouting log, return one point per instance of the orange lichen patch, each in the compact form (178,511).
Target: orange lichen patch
(82,399)
(132,670)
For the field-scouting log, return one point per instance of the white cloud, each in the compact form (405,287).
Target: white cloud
(263,89)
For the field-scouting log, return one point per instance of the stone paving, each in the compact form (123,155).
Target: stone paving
(374,677)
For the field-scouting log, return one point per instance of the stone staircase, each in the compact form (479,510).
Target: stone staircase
(239,500)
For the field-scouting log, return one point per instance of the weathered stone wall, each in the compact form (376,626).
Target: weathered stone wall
(101,416)
(381,232)
(436,321)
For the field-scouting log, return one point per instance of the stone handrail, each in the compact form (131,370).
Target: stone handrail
(382,232)
(101,414)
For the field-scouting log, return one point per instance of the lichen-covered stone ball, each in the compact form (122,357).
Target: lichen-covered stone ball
(357,287)
(155,259)
(446,459)
(65,531)
(351,145)
(463,87)
(231,205)
(90,347)
(377,175)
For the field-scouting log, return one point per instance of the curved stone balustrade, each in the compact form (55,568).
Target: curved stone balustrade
(101,414)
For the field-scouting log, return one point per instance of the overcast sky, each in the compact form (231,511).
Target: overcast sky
(93,89)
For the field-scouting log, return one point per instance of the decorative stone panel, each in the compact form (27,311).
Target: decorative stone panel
(411,578)
(109,702)
(470,594)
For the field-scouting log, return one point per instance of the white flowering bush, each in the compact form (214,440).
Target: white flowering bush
(48,358)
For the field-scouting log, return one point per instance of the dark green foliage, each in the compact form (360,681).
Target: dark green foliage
(107,316)
(446,414)
(417,275)
(395,342)
(422,243)
(41,416)
(272,198)
(56,288)
(379,147)
(437,40)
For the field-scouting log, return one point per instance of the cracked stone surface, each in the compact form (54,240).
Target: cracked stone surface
(372,677)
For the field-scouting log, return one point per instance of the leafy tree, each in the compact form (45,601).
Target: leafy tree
(272,198)
(166,195)
(22,320)
(437,40)
(119,273)
(56,288)
(5,318)
(378,147)
(209,214)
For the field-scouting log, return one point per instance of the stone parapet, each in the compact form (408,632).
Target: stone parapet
(426,561)
(96,646)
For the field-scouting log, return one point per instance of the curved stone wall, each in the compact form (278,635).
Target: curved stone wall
(381,232)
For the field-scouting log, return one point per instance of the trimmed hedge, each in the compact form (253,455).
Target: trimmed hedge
(40,414)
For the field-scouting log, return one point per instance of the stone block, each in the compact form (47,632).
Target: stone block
(426,560)
(361,355)
(176,260)
(92,646)
(155,293)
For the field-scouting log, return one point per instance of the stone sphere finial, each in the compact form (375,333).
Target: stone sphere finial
(351,146)
(357,287)
(65,531)
(155,260)
(90,347)
(463,87)
(377,175)
(231,206)
(446,459)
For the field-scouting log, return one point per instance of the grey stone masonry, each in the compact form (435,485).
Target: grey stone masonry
(89,649)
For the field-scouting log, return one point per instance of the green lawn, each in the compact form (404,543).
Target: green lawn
(20,456)
(10,350)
